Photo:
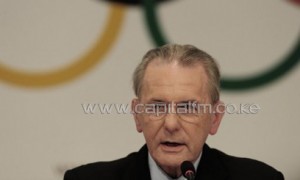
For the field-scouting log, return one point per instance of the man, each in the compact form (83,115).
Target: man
(177,107)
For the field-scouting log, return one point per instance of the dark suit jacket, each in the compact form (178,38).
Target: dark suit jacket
(214,165)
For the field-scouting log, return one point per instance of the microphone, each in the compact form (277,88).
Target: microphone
(188,170)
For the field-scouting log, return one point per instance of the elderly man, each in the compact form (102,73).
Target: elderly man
(177,107)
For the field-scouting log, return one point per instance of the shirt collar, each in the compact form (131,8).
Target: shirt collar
(158,174)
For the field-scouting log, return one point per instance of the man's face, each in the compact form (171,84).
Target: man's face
(171,140)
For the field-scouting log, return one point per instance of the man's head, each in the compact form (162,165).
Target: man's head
(185,56)
(171,83)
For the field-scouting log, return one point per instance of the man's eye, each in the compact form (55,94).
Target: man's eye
(160,107)
(187,108)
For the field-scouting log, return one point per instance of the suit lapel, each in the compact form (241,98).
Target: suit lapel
(210,167)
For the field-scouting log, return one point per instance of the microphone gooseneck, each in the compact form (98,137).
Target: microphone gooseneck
(188,170)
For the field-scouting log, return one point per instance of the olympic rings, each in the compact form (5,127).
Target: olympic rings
(235,83)
(80,66)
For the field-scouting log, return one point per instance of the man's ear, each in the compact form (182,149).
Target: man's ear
(136,115)
(217,115)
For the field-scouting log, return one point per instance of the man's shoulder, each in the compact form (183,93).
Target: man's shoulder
(102,170)
(246,167)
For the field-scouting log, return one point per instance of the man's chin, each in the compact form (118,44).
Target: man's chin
(170,160)
(170,156)
(170,166)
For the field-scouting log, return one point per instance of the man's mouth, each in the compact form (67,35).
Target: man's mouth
(172,144)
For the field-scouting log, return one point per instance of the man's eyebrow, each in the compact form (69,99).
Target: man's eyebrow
(187,101)
(157,101)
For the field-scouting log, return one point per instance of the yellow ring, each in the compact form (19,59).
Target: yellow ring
(81,65)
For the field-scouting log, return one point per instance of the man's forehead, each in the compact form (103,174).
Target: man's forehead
(170,68)
(164,79)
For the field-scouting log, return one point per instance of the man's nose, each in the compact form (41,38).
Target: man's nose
(171,122)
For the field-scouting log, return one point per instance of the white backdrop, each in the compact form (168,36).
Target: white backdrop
(44,131)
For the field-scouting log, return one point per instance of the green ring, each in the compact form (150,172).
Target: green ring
(232,83)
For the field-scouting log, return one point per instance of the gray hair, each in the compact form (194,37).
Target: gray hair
(185,55)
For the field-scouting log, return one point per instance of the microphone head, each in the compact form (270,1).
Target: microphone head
(188,169)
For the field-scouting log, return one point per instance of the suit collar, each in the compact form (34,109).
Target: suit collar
(137,168)
(142,164)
